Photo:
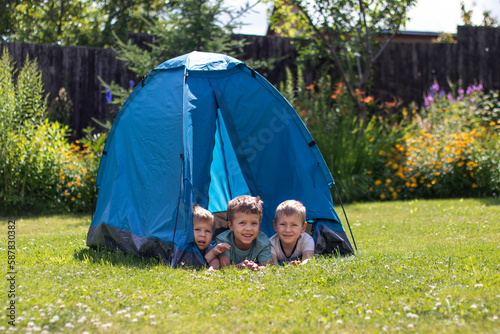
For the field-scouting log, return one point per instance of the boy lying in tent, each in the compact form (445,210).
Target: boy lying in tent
(291,243)
(203,229)
(249,247)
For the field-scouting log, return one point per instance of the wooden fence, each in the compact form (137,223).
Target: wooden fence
(404,70)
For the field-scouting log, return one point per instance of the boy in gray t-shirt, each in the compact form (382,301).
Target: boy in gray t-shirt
(291,243)
(249,246)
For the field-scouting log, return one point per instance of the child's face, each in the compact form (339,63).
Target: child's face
(289,228)
(245,228)
(202,233)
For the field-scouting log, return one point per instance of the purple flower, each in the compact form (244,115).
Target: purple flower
(450,97)
(460,91)
(434,89)
(131,83)
(472,100)
(109,97)
(470,90)
(441,93)
(480,87)
(460,98)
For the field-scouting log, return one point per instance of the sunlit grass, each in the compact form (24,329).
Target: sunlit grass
(423,266)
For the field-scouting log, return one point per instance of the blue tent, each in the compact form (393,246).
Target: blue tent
(204,128)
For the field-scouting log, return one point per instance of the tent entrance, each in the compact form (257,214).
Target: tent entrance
(226,178)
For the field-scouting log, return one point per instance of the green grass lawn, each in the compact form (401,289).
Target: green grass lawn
(422,266)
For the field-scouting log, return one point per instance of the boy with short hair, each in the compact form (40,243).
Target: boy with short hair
(291,243)
(203,229)
(250,248)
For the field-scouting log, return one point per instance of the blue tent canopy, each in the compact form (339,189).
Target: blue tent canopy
(202,129)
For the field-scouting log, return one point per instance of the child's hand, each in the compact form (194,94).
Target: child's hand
(248,264)
(221,248)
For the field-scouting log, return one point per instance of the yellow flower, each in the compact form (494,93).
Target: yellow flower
(382,196)
(378,182)
(66,193)
(70,184)
(79,196)
(72,198)
(474,185)
(395,166)
(369,172)
(460,164)
(388,181)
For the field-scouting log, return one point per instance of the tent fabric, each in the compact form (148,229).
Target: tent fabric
(203,128)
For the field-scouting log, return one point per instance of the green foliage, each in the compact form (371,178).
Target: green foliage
(35,157)
(60,108)
(78,22)
(350,34)
(453,150)
(349,145)
(423,266)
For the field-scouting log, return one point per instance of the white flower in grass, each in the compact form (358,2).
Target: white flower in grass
(54,319)
(340,321)
(411,326)
(412,315)
(406,308)
(367,318)
(134,320)
(494,318)
(82,319)
(145,307)
(139,314)
(368,311)
(106,326)
(69,325)
(31,324)
(478,285)
(152,316)
(473,306)
(290,300)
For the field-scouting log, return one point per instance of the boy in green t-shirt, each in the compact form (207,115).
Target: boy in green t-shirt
(250,247)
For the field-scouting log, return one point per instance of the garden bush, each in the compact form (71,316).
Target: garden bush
(453,149)
(448,148)
(349,145)
(40,170)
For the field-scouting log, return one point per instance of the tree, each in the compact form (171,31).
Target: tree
(76,22)
(350,33)
(488,20)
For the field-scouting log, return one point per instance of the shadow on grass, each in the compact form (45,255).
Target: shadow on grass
(107,257)
(490,201)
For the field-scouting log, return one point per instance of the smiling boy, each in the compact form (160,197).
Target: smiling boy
(291,243)
(248,244)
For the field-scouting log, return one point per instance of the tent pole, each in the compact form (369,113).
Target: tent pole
(345,215)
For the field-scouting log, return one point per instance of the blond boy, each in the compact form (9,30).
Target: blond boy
(249,246)
(291,243)
(203,229)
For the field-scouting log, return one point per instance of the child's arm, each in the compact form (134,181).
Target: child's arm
(275,258)
(219,249)
(306,255)
(225,261)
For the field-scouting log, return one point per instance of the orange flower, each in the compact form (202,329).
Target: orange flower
(310,87)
